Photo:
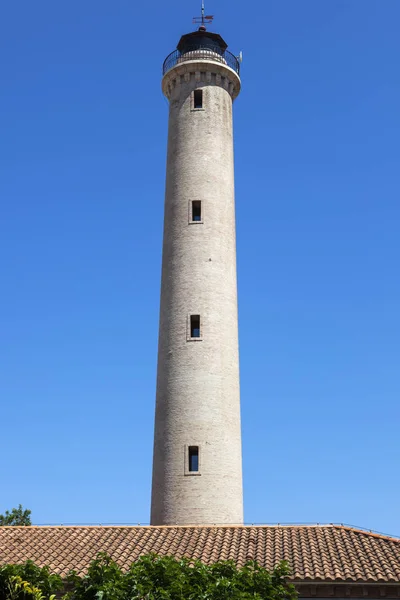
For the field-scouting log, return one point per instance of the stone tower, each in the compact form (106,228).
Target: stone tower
(197,461)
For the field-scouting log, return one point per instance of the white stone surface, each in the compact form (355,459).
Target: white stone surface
(198,398)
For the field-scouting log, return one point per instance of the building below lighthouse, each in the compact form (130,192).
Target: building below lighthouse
(197,462)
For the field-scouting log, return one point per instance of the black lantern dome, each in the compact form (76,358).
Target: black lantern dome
(201,45)
(202,40)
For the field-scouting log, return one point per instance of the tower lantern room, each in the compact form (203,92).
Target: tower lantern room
(202,45)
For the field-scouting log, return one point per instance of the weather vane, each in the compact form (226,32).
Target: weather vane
(204,18)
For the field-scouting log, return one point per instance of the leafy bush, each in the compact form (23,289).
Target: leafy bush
(167,578)
(149,578)
(27,582)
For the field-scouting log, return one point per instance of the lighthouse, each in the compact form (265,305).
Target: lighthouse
(197,459)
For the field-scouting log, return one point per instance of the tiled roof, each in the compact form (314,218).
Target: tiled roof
(328,553)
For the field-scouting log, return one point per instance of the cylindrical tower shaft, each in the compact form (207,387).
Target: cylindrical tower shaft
(197,469)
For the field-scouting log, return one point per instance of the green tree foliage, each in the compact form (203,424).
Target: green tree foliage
(17,516)
(167,578)
(28,582)
(150,578)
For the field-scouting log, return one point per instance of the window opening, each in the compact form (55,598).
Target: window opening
(198,98)
(193,458)
(195,326)
(196,210)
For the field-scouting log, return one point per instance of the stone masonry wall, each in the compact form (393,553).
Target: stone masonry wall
(198,398)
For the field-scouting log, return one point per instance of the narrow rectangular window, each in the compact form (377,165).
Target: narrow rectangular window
(193,458)
(195,326)
(198,98)
(196,210)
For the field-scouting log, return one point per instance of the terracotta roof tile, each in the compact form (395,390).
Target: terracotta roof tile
(315,553)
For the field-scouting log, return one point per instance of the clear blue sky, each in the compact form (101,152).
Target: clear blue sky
(83,129)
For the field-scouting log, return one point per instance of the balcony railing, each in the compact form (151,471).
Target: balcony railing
(196,53)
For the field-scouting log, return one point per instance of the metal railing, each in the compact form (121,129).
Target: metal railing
(276,525)
(195,53)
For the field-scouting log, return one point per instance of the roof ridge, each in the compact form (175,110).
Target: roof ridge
(381,536)
(193,526)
